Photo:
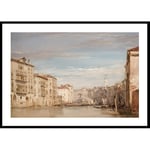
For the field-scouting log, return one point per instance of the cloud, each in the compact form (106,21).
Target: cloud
(77,58)
(88,77)
(65,45)
(109,40)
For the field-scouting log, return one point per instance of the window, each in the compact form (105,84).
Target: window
(12,86)
(20,67)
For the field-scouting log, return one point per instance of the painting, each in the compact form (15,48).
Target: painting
(74,74)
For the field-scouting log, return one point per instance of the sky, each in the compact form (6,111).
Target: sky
(83,60)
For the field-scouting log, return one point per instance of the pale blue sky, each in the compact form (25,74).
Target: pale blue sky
(81,59)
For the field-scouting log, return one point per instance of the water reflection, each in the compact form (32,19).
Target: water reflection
(78,111)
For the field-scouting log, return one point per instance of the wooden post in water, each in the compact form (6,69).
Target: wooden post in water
(116,108)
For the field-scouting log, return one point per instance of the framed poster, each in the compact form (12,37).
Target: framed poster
(74,74)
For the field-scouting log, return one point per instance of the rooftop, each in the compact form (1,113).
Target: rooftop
(40,76)
(22,61)
(49,76)
(134,49)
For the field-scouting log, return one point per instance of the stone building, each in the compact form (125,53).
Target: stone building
(30,89)
(40,90)
(132,79)
(22,83)
(70,93)
(45,90)
(51,90)
(65,92)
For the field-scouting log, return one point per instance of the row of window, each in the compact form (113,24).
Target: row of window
(21,67)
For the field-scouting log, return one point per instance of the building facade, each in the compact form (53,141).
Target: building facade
(132,79)
(65,93)
(45,90)
(29,88)
(40,90)
(51,90)
(22,83)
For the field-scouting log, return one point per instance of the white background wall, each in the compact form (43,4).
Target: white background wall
(74,139)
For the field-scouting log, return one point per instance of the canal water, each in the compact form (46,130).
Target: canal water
(75,111)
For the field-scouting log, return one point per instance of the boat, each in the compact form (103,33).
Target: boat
(76,104)
(100,106)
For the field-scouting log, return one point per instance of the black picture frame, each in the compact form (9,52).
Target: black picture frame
(71,126)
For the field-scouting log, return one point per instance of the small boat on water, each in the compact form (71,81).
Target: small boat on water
(100,106)
(76,104)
